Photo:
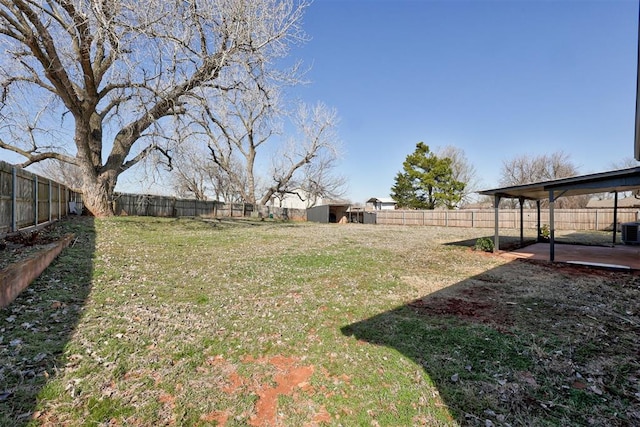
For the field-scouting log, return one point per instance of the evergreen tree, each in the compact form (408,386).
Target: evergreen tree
(426,182)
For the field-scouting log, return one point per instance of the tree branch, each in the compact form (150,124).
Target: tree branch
(37,157)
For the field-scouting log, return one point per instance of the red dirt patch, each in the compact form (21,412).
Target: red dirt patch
(219,417)
(322,416)
(478,304)
(235,382)
(290,378)
(287,379)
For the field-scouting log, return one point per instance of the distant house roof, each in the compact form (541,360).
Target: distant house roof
(381,200)
(627,202)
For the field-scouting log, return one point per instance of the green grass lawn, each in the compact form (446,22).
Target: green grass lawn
(148,321)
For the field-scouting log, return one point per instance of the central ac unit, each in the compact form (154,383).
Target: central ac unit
(631,233)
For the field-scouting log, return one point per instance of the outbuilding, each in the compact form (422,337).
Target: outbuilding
(333,213)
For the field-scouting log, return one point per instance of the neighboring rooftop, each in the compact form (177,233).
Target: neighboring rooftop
(381,200)
(627,202)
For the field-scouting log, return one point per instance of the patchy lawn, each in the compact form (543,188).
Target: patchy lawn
(148,321)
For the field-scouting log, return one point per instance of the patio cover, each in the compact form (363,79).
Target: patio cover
(604,182)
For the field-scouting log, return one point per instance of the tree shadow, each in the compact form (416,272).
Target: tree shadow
(524,344)
(507,243)
(588,238)
(36,327)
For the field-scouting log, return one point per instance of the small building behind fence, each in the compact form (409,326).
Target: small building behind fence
(333,213)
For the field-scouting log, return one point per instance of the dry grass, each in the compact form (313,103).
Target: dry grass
(161,321)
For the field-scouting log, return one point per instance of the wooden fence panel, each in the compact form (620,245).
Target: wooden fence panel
(25,200)
(565,219)
(56,194)
(390,217)
(43,200)
(279,213)
(6,203)
(482,219)
(28,200)
(460,218)
(185,208)
(164,206)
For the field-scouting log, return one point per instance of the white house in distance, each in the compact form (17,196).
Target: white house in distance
(297,199)
(380,204)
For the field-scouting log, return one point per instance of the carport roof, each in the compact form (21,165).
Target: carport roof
(603,182)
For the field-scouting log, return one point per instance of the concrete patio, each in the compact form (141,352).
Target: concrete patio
(620,256)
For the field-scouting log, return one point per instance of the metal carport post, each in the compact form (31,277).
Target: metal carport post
(615,216)
(521,200)
(552,227)
(496,237)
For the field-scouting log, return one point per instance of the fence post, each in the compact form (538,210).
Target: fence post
(596,219)
(14,199)
(50,204)
(35,200)
(472,219)
(59,204)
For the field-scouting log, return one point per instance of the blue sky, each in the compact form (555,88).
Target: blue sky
(498,79)
(495,78)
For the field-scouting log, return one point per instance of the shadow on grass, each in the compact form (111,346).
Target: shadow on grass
(585,238)
(589,238)
(35,328)
(507,243)
(522,345)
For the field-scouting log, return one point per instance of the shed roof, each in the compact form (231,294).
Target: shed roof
(381,200)
(603,182)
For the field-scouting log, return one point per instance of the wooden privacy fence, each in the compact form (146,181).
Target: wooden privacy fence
(564,219)
(162,206)
(29,200)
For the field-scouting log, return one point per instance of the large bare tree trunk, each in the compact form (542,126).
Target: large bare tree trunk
(97,195)
(97,183)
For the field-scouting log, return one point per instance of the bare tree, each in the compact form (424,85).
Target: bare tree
(195,175)
(243,129)
(463,171)
(530,169)
(191,174)
(64,173)
(626,163)
(236,127)
(305,166)
(120,76)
